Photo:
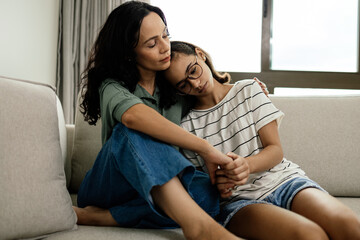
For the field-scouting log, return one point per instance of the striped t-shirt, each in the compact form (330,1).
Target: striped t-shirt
(232,126)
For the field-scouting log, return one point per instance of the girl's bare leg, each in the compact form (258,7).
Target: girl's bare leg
(173,199)
(264,221)
(339,221)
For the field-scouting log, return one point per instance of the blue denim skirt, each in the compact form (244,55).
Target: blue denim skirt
(281,197)
(128,166)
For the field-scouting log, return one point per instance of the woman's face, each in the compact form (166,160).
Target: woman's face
(189,74)
(153,48)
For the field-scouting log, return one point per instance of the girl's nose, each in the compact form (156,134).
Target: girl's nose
(195,83)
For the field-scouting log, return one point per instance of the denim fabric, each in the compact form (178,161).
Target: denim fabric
(128,166)
(281,197)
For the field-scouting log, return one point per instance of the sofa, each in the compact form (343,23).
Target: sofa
(43,160)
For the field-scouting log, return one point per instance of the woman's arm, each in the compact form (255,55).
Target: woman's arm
(145,119)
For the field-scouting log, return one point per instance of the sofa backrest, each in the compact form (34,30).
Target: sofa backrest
(87,144)
(321,134)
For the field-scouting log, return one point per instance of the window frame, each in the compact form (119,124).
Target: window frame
(297,79)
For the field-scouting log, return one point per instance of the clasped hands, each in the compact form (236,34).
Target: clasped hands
(232,174)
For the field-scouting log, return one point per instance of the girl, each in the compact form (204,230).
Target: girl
(265,196)
(137,180)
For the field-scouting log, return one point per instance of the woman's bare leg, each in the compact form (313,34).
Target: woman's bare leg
(339,221)
(265,221)
(173,199)
(94,216)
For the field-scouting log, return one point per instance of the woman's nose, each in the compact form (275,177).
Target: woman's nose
(165,45)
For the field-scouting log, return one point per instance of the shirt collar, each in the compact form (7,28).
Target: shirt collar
(143,94)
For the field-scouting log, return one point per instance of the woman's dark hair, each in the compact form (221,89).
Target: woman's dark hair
(113,55)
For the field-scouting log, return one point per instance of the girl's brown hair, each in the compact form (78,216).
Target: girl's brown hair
(190,49)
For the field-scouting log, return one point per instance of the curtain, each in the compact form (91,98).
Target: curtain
(79,23)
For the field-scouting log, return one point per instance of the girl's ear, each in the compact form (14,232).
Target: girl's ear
(200,53)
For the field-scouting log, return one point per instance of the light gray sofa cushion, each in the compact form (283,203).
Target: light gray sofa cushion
(87,145)
(112,233)
(322,135)
(33,196)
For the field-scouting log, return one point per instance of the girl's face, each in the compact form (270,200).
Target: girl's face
(153,48)
(189,74)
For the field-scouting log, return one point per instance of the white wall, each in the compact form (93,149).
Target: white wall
(28,39)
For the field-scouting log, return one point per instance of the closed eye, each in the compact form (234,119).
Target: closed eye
(181,85)
(152,45)
(166,33)
(193,70)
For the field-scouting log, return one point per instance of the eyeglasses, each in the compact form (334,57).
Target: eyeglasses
(184,87)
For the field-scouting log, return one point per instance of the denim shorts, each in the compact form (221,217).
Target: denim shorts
(281,197)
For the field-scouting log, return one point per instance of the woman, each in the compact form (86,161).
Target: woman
(139,180)
(265,196)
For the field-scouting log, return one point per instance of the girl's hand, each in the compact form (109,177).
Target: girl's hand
(263,86)
(224,185)
(237,171)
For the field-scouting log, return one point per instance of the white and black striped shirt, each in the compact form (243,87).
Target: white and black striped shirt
(232,126)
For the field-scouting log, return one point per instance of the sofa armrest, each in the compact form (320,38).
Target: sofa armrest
(70,132)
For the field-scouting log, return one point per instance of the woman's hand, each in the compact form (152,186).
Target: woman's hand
(213,158)
(232,174)
(263,86)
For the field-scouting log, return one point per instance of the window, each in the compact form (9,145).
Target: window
(310,35)
(230,32)
(285,43)
(282,91)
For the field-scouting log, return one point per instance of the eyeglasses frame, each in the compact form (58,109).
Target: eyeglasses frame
(189,78)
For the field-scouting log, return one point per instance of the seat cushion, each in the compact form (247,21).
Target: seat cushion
(95,233)
(34,200)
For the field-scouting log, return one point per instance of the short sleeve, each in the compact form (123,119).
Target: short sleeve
(116,99)
(263,109)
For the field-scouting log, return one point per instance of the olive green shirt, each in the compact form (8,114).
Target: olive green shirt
(115,99)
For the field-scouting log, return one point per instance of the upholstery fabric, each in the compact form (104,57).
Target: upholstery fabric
(87,144)
(33,196)
(62,130)
(319,151)
(331,124)
(70,130)
(96,233)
